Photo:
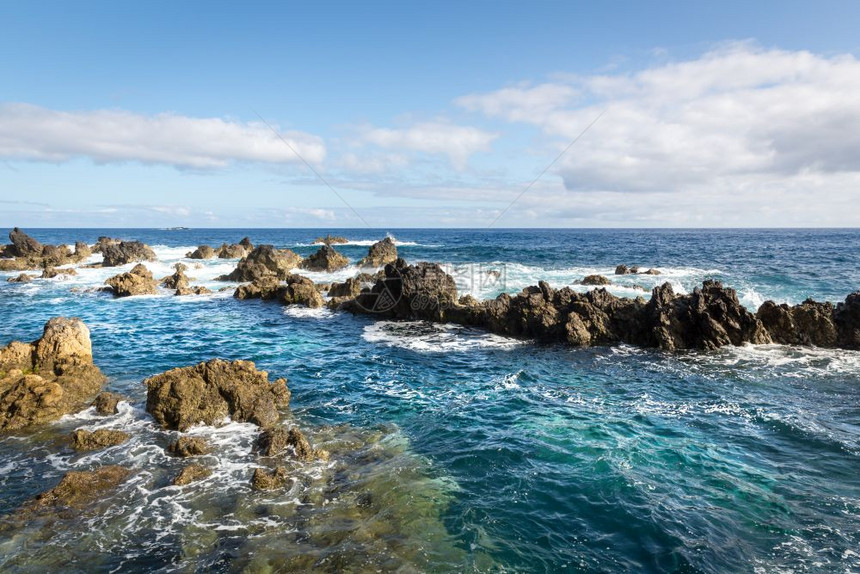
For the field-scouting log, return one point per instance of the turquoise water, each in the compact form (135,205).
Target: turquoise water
(515,456)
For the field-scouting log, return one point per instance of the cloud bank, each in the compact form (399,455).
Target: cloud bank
(34,133)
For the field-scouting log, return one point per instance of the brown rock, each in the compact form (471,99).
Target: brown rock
(331,240)
(52,272)
(22,278)
(138,281)
(349,288)
(325,259)
(595,280)
(191,473)
(810,323)
(622,270)
(124,252)
(202,252)
(193,290)
(234,251)
(264,261)
(82,251)
(380,253)
(270,480)
(178,280)
(186,446)
(210,392)
(101,438)
(275,441)
(78,489)
(106,403)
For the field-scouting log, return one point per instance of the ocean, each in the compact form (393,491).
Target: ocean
(454,450)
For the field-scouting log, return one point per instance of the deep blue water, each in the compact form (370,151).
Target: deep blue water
(538,458)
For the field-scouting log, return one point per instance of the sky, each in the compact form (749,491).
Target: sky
(444,114)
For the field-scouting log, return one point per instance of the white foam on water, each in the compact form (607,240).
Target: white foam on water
(425,337)
(303,312)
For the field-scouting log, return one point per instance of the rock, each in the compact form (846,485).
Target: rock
(246,243)
(325,259)
(106,403)
(595,280)
(78,489)
(178,280)
(234,251)
(53,255)
(195,290)
(101,438)
(263,479)
(847,319)
(264,261)
(349,288)
(275,441)
(651,271)
(421,291)
(191,473)
(202,252)
(295,290)
(186,446)
(380,253)
(622,270)
(23,245)
(810,323)
(53,376)
(138,281)
(124,252)
(102,242)
(51,272)
(22,278)
(331,240)
(210,392)
(82,251)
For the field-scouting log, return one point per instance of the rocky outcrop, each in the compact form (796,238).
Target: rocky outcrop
(380,253)
(294,290)
(124,252)
(178,280)
(349,288)
(52,272)
(26,252)
(277,441)
(23,245)
(421,291)
(234,251)
(202,252)
(186,446)
(325,259)
(331,240)
(98,439)
(814,323)
(595,280)
(76,490)
(102,242)
(210,392)
(53,376)
(106,403)
(22,278)
(82,250)
(138,281)
(264,261)
(192,290)
(191,473)
(622,270)
(264,479)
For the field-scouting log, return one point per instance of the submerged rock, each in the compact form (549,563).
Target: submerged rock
(193,290)
(275,441)
(202,252)
(264,261)
(78,489)
(380,253)
(101,438)
(138,281)
(186,446)
(52,272)
(53,376)
(191,473)
(116,254)
(325,259)
(106,403)
(210,392)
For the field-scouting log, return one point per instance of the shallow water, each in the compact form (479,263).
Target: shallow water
(456,450)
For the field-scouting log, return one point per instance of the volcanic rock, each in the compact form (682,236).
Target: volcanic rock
(331,240)
(106,403)
(191,473)
(202,252)
(234,251)
(264,261)
(595,280)
(263,479)
(22,278)
(325,259)
(124,252)
(138,281)
(380,253)
(101,438)
(186,446)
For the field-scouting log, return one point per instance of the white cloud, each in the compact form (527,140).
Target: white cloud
(35,133)
(737,120)
(437,138)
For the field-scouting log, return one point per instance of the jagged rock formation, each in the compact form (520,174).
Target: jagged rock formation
(263,479)
(331,240)
(202,252)
(191,473)
(76,490)
(106,403)
(101,438)
(295,290)
(26,252)
(53,376)
(186,446)
(380,253)
(595,280)
(813,323)
(264,262)
(116,254)
(210,392)
(325,259)
(22,278)
(138,281)
(178,280)
(277,441)
(234,251)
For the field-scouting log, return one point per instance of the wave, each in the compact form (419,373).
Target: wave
(425,337)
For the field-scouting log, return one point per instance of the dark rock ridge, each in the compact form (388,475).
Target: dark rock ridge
(234,251)
(178,280)
(325,259)
(264,261)
(124,252)
(210,392)
(708,318)
(595,280)
(380,253)
(138,281)
(294,290)
(26,252)
(624,270)
(51,377)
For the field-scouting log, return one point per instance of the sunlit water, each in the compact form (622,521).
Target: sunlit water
(457,450)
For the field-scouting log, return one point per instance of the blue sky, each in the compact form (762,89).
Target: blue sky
(146,114)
